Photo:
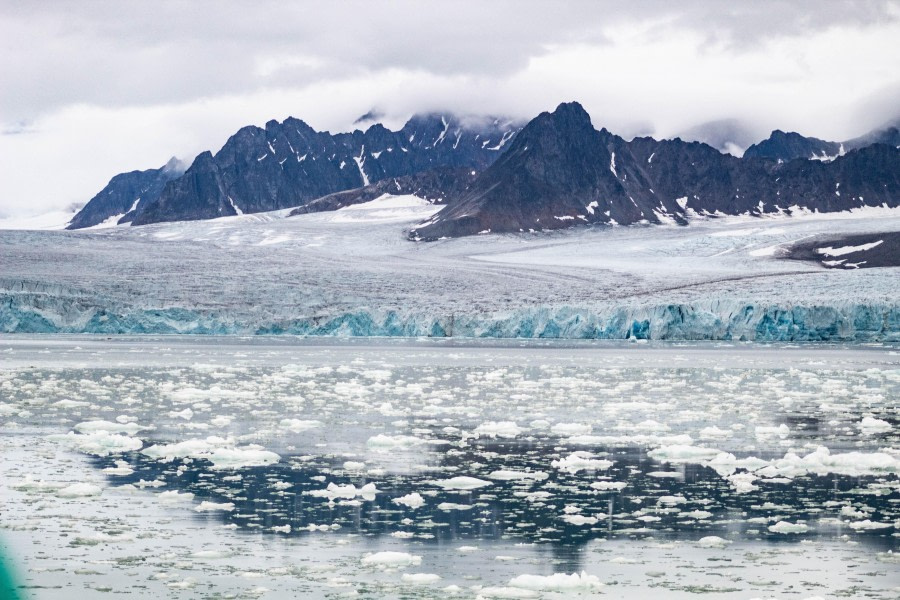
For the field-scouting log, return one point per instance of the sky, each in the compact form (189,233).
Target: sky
(95,88)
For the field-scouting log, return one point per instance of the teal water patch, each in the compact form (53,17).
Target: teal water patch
(9,589)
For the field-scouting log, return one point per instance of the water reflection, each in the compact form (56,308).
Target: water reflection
(561,511)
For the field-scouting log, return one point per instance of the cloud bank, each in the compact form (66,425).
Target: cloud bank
(96,88)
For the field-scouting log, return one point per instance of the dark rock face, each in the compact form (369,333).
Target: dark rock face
(435,185)
(560,171)
(889,134)
(788,146)
(861,251)
(125,194)
(289,164)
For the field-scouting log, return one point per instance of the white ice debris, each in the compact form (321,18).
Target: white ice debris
(682,453)
(79,490)
(501,429)
(609,485)
(298,425)
(786,527)
(387,443)
(558,582)
(868,525)
(207,506)
(872,426)
(413,500)
(765,431)
(581,461)
(713,541)
(461,483)
(348,491)
(579,519)
(570,429)
(390,559)
(510,475)
(173,496)
(219,451)
(100,443)
(92,426)
(420,578)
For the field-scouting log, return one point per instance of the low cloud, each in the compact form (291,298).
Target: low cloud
(102,88)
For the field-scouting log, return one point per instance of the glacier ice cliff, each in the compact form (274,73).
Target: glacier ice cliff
(46,313)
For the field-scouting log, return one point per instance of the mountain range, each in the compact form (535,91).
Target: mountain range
(496,175)
(289,164)
(560,171)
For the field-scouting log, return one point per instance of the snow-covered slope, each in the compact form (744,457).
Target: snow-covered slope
(352,272)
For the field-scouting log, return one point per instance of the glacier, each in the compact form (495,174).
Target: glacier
(351,273)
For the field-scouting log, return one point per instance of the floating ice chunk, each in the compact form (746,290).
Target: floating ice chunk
(763,432)
(822,462)
(91,426)
(785,527)
(666,474)
(570,429)
(461,483)
(79,490)
(508,475)
(101,443)
(448,506)
(207,506)
(697,514)
(871,425)
(867,524)
(581,461)
(63,404)
(403,535)
(420,578)
(30,484)
(236,458)
(413,500)
(609,485)
(558,582)
(208,554)
(743,482)
(671,500)
(352,465)
(713,541)
(100,537)
(281,528)
(348,491)
(221,421)
(391,559)
(849,511)
(505,593)
(714,433)
(298,425)
(579,519)
(216,450)
(187,414)
(193,448)
(682,453)
(386,443)
(173,496)
(501,429)
(121,469)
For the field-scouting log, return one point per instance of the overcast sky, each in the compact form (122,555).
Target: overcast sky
(91,89)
